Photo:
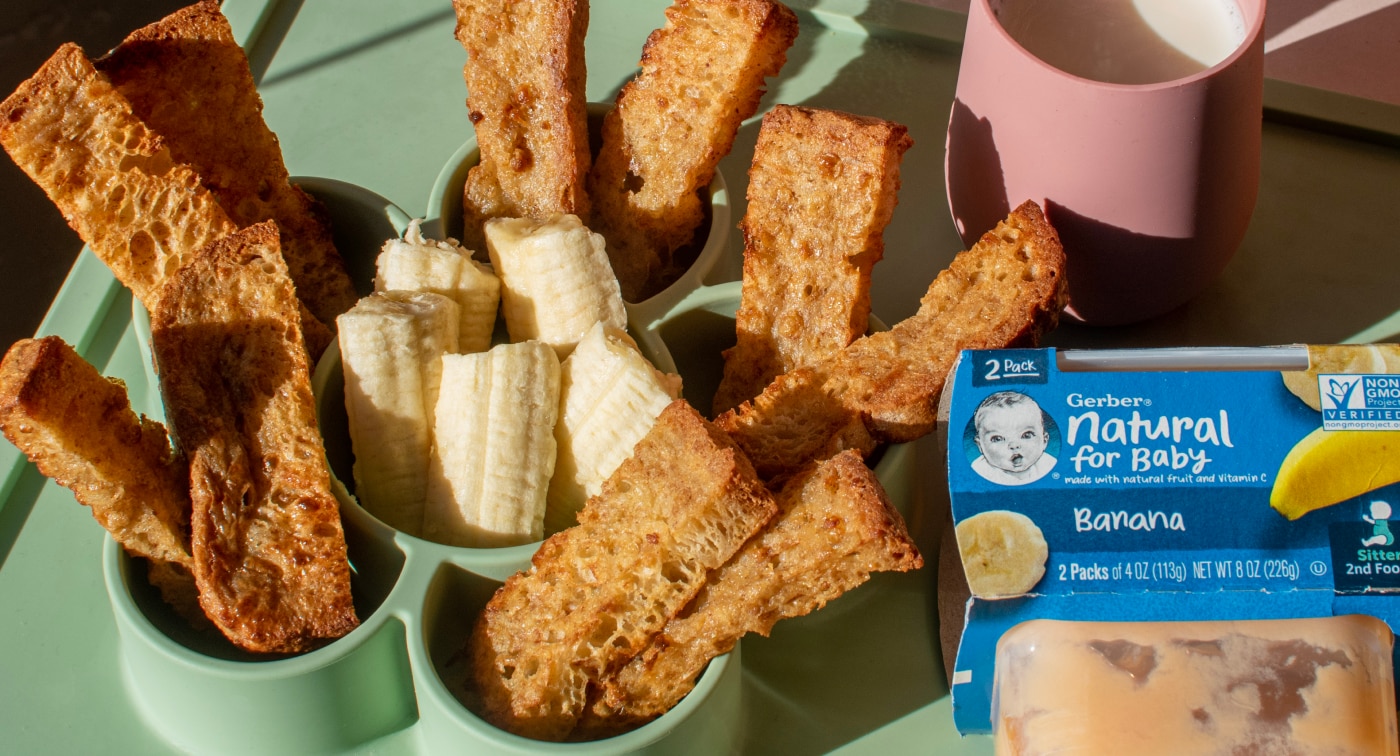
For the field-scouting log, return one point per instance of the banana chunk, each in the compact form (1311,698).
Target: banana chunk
(556,281)
(610,396)
(494,448)
(391,347)
(415,263)
(1003,553)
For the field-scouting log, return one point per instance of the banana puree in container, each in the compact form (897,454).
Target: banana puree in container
(1318,685)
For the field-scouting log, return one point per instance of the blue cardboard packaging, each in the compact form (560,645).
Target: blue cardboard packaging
(1168,485)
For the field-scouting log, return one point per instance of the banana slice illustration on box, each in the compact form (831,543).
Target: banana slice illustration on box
(556,281)
(493,446)
(1339,358)
(391,347)
(1003,553)
(1328,467)
(610,396)
(415,263)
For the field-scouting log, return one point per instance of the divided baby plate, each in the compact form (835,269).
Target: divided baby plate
(394,682)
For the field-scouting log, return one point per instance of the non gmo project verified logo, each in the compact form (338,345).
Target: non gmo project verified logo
(1360,402)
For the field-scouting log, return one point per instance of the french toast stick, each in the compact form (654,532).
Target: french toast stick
(835,527)
(822,187)
(141,211)
(1007,290)
(268,546)
(681,506)
(701,76)
(189,81)
(78,428)
(525,76)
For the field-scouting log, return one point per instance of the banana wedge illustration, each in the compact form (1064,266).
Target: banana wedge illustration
(1328,467)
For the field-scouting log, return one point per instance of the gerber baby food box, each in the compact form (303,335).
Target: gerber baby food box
(1205,484)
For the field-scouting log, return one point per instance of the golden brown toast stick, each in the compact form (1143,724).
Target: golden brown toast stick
(79,429)
(681,506)
(189,81)
(269,551)
(1007,290)
(835,527)
(701,77)
(822,188)
(141,211)
(525,77)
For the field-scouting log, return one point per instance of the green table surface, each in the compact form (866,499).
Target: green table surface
(371,92)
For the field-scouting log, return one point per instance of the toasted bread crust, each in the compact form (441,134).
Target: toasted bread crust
(822,188)
(1008,290)
(188,80)
(525,77)
(702,75)
(113,178)
(835,527)
(681,506)
(148,174)
(79,429)
(269,551)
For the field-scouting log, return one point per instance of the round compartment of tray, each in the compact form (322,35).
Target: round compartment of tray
(499,562)
(708,720)
(444,219)
(205,695)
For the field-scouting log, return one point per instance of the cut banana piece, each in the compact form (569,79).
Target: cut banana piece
(610,397)
(1329,467)
(415,263)
(556,281)
(1003,553)
(391,347)
(494,448)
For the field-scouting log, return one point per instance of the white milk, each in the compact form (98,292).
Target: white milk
(1125,41)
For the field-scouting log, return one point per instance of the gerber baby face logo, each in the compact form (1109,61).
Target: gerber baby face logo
(1010,440)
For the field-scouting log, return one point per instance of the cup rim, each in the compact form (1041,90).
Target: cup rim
(1253,33)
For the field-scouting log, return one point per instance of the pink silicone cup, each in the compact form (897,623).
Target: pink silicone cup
(1151,186)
